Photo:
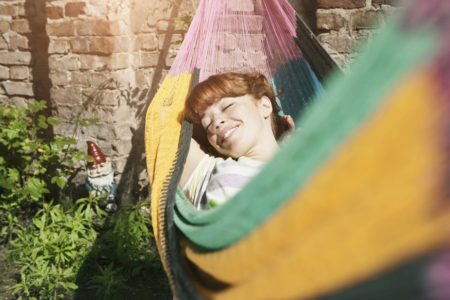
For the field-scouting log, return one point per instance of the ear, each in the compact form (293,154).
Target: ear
(265,106)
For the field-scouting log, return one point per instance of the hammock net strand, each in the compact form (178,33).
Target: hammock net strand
(355,204)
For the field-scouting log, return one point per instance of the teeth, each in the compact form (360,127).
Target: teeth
(228,132)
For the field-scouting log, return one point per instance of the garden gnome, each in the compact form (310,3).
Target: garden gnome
(100,180)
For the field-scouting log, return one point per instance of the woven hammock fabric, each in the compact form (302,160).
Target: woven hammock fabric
(224,36)
(354,206)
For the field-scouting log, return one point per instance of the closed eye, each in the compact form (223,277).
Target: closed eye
(228,106)
(206,122)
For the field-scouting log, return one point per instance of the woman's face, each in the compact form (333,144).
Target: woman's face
(237,126)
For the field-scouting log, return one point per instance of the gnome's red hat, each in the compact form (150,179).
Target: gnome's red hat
(96,153)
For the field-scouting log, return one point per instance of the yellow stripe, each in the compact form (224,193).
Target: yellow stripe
(162,135)
(367,209)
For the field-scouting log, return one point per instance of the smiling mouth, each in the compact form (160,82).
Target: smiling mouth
(227,134)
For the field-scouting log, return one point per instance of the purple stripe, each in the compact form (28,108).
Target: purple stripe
(438,278)
(227,181)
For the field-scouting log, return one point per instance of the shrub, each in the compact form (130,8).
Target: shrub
(123,263)
(33,168)
(50,252)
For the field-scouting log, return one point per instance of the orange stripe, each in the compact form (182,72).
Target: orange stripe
(162,135)
(367,209)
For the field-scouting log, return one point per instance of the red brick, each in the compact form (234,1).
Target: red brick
(20,26)
(118,61)
(19,72)
(74,9)
(146,42)
(4,26)
(64,62)
(61,29)
(66,95)
(366,19)
(112,98)
(93,62)
(4,74)
(18,42)
(341,43)
(102,45)
(149,59)
(98,28)
(18,88)
(347,4)
(58,46)
(106,28)
(109,45)
(83,27)
(327,20)
(60,78)
(54,12)
(80,78)
(99,78)
(80,45)
(8,10)
(15,58)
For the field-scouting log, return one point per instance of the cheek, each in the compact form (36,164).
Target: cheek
(211,139)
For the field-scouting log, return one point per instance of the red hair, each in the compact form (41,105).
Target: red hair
(232,84)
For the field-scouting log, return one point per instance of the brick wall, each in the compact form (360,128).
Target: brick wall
(15,59)
(342,25)
(105,59)
(99,59)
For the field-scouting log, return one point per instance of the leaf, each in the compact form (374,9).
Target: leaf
(53,121)
(36,106)
(42,122)
(35,188)
(71,285)
(12,134)
(38,222)
(60,181)
(14,175)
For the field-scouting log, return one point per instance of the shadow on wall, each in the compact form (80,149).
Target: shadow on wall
(128,189)
(307,9)
(35,14)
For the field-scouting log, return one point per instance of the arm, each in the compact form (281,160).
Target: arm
(289,125)
(195,155)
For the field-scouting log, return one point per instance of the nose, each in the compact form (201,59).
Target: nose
(219,123)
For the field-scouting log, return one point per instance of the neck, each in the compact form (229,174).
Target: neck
(265,150)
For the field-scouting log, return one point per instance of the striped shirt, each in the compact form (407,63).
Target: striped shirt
(215,180)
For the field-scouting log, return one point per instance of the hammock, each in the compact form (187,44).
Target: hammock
(354,206)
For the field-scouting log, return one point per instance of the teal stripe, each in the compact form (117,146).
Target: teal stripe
(327,124)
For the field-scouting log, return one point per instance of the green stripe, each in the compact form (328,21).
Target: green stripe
(327,124)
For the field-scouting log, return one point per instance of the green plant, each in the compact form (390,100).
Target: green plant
(34,169)
(132,232)
(124,263)
(108,282)
(50,251)
(127,244)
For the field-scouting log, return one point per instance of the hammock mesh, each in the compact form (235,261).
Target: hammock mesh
(355,205)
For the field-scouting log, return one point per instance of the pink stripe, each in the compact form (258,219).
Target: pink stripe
(238,35)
